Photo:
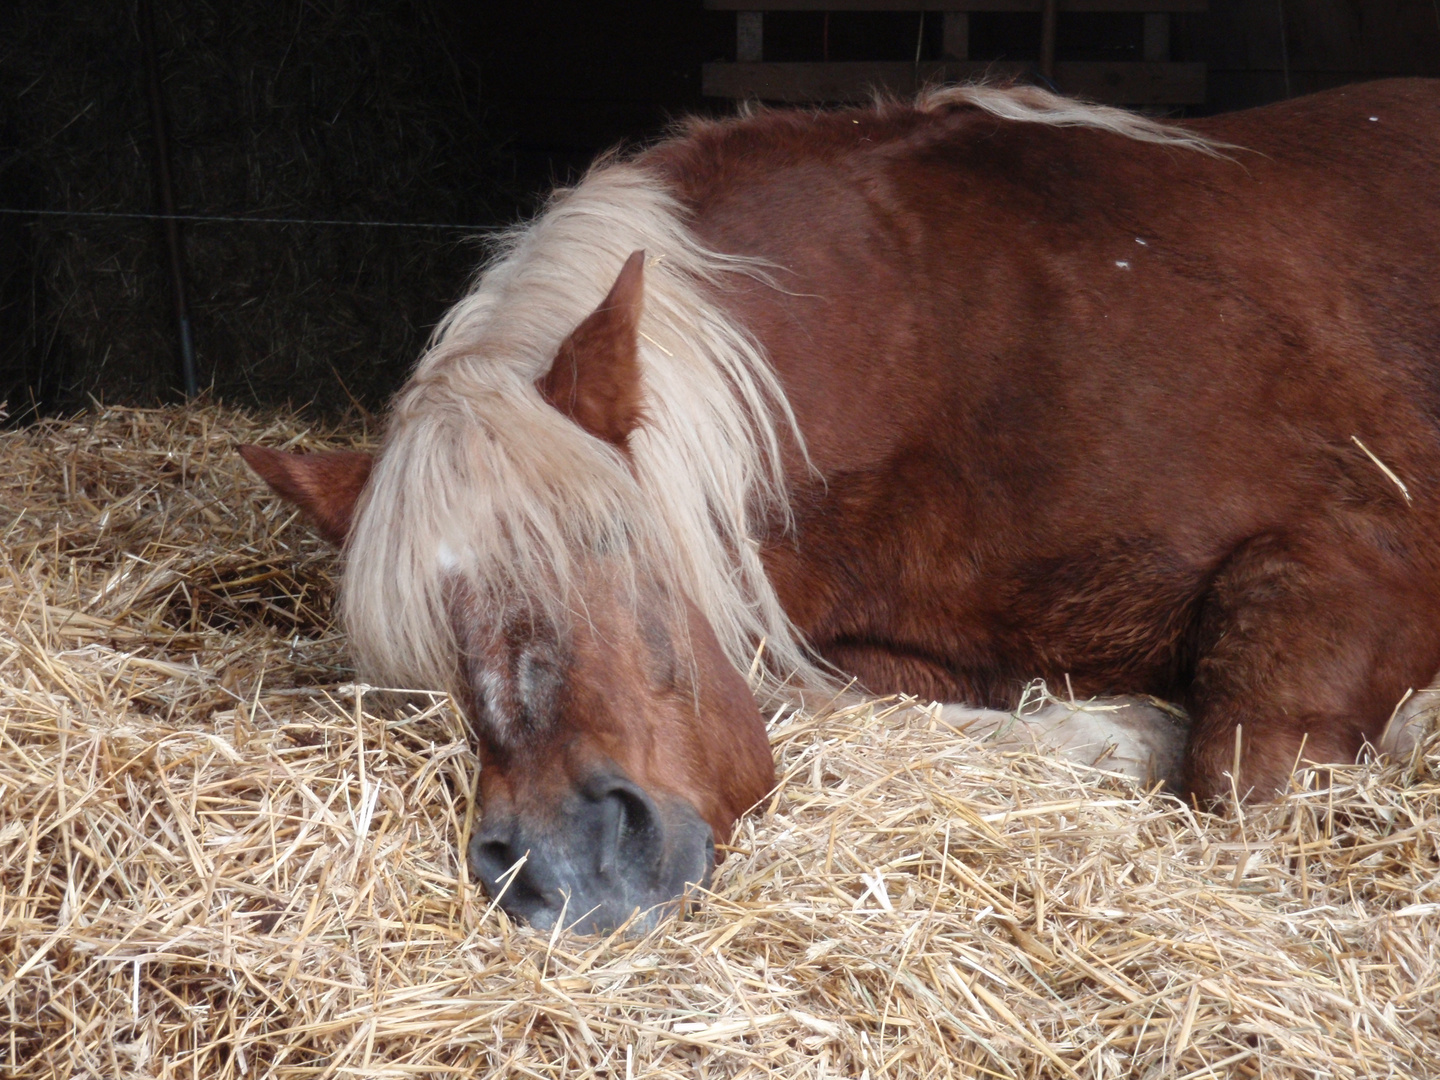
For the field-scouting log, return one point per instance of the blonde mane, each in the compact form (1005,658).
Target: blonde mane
(1032,105)
(480,480)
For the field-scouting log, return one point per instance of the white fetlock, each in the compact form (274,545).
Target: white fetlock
(1410,723)
(1138,737)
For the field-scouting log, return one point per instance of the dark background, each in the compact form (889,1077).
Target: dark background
(436,111)
(566,79)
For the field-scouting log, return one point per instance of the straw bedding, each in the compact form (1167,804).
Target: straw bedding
(219,858)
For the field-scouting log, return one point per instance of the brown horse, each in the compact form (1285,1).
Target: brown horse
(943,395)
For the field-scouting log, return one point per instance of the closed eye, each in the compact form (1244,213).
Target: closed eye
(538,678)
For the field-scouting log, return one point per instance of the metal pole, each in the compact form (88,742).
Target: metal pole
(146,20)
(1047,39)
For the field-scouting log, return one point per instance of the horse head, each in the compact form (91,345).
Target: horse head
(617,741)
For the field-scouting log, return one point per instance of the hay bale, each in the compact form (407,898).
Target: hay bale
(220,858)
(281,110)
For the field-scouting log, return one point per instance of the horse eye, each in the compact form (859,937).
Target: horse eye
(660,648)
(537,682)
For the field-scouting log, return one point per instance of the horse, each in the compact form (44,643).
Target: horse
(940,395)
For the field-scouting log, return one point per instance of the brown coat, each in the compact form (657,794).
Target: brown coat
(1086,405)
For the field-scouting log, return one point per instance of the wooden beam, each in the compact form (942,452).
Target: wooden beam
(956,35)
(1049,15)
(750,36)
(1119,6)
(1156,46)
(1133,84)
(1109,83)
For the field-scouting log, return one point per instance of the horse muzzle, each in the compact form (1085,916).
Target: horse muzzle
(611,852)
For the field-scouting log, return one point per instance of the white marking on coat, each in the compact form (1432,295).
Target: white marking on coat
(1410,722)
(492,687)
(1130,736)
(446,557)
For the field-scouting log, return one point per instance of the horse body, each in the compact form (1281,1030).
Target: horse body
(955,394)
(1081,404)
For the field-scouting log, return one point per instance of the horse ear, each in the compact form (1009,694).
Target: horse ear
(595,379)
(324,485)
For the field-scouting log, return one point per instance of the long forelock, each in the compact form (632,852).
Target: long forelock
(483,486)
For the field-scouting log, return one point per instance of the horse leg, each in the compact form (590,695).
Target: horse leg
(1411,723)
(1303,650)
(1137,737)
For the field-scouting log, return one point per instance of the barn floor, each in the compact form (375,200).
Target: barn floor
(220,858)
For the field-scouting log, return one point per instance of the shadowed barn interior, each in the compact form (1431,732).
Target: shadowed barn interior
(224,854)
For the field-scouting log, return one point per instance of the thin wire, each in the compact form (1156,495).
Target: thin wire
(250,220)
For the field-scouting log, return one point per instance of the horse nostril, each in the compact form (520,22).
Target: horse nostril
(630,836)
(505,872)
(492,860)
(608,851)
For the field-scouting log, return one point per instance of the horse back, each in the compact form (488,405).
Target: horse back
(1052,378)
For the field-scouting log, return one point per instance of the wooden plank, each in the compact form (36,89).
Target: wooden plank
(1156,47)
(835,80)
(750,36)
(956,36)
(1109,83)
(1133,6)
(1134,84)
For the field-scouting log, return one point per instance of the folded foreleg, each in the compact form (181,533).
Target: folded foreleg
(1138,737)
